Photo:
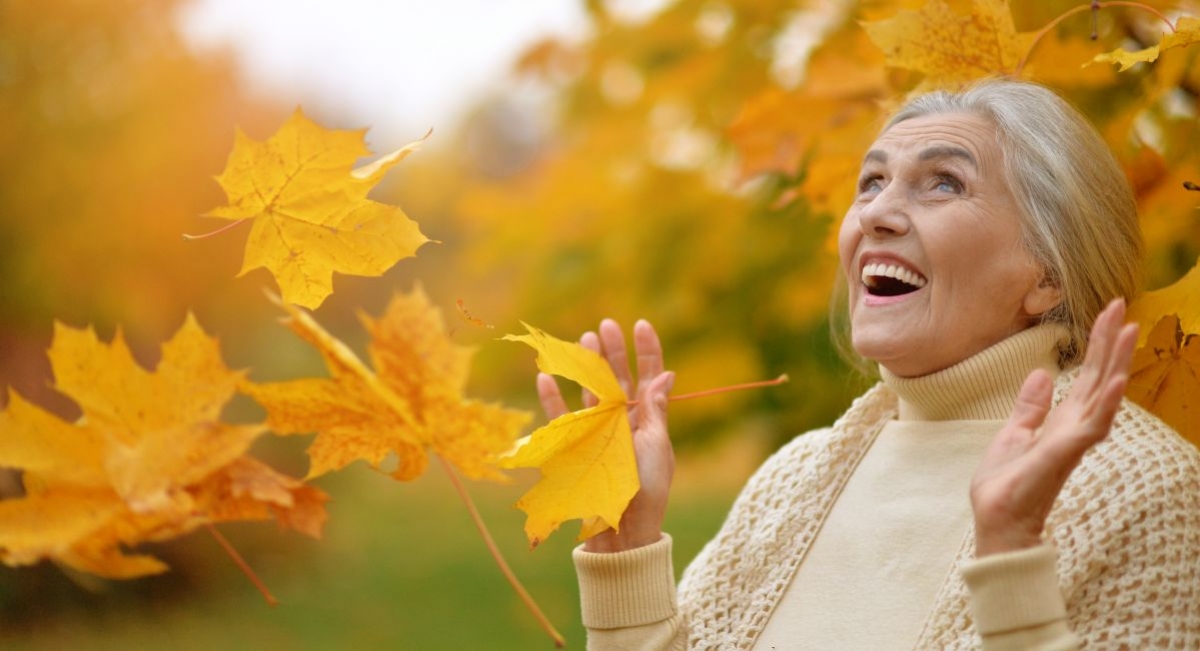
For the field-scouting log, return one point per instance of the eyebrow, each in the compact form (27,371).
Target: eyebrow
(945,151)
(876,156)
(941,151)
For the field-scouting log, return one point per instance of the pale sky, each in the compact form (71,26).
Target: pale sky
(399,67)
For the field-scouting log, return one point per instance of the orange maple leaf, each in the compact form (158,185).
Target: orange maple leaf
(1165,377)
(951,48)
(310,208)
(413,400)
(586,457)
(149,460)
(1181,299)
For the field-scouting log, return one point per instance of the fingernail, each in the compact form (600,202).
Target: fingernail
(670,381)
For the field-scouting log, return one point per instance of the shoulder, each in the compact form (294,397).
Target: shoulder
(1143,476)
(1139,445)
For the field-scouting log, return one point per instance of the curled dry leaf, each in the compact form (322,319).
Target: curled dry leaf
(149,460)
(1187,32)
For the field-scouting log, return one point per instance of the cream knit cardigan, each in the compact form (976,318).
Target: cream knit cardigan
(1126,527)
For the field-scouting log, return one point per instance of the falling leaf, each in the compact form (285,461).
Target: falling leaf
(310,208)
(412,400)
(1187,32)
(586,457)
(951,48)
(149,460)
(1165,377)
(1181,299)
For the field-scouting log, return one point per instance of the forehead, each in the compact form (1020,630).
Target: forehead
(941,134)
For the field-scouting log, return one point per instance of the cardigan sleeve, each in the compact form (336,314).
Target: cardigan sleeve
(1126,531)
(1016,601)
(628,599)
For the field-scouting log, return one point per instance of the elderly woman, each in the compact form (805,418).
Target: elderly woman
(993,489)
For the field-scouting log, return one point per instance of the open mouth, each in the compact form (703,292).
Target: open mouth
(891,280)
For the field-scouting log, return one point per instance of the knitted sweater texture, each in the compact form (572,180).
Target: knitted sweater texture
(1126,527)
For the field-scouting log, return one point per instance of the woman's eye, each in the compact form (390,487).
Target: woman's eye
(871,183)
(944,183)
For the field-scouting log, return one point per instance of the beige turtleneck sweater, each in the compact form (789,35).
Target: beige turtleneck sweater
(870,577)
(893,534)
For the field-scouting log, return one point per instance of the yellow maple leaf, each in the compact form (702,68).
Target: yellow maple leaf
(586,457)
(1164,377)
(1181,299)
(950,48)
(310,208)
(149,460)
(1187,32)
(412,400)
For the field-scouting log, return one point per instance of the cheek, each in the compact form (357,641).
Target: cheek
(848,236)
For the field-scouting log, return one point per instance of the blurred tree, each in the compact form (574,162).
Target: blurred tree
(697,160)
(112,130)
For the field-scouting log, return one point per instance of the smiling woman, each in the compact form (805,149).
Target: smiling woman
(994,488)
(934,204)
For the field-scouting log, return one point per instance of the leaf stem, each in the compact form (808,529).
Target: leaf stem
(1092,6)
(243,565)
(725,389)
(189,238)
(499,558)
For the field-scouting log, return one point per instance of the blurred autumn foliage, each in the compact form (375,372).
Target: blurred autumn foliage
(697,158)
(112,130)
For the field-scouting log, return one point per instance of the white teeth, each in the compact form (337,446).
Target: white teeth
(878,270)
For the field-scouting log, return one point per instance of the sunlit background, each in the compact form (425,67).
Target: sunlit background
(623,158)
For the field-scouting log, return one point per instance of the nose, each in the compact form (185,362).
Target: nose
(886,215)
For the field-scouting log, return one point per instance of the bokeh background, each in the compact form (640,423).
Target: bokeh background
(589,159)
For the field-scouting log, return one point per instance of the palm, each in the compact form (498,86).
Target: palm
(642,522)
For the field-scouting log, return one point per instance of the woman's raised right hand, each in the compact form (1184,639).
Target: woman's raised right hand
(642,522)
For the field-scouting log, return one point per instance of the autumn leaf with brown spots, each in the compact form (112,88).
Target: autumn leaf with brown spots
(952,48)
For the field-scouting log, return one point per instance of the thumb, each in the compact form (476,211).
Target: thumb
(1033,401)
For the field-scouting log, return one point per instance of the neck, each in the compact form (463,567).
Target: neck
(983,386)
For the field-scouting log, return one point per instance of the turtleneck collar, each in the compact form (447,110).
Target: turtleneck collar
(983,386)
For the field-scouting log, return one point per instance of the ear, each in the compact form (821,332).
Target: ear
(1043,297)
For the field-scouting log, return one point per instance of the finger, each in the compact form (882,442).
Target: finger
(653,408)
(612,340)
(550,397)
(649,352)
(1123,345)
(590,341)
(1033,401)
(1109,399)
(1103,333)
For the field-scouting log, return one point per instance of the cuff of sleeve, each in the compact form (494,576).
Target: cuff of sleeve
(630,588)
(1014,590)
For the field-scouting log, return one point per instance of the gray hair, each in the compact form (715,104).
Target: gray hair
(1078,213)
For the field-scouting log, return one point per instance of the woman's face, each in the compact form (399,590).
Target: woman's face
(932,250)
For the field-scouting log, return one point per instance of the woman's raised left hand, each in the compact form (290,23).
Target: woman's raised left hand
(1031,457)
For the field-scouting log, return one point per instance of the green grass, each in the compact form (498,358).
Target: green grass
(401,567)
